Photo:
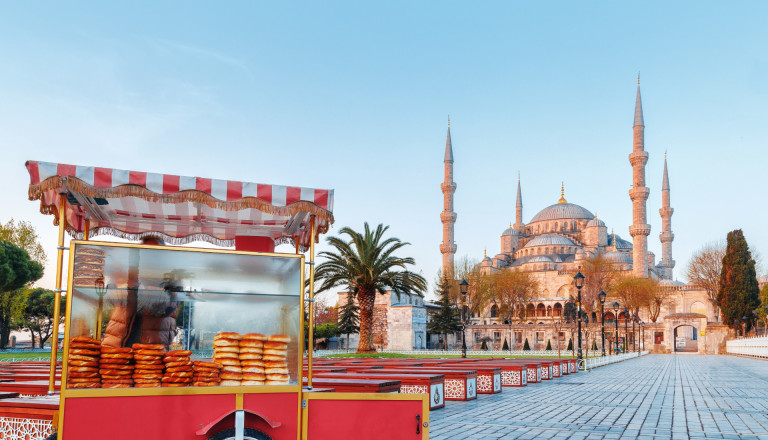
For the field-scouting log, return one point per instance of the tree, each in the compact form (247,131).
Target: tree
(511,290)
(446,320)
(549,345)
(738,294)
(24,235)
(484,345)
(570,344)
(365,264)
(762,310)
(526,346)
(704,270)
(599,274)
(349,318)
(38,314)
(16,271)
(505,347)
(636,292)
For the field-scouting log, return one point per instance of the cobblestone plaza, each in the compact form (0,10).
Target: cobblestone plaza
(653,397)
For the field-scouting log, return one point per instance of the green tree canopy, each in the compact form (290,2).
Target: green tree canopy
(38,314)
(365,263)
(24,235)
(738,295)
(446,320)
(17,270)
(349,318)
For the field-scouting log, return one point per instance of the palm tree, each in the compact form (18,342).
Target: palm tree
(365,264)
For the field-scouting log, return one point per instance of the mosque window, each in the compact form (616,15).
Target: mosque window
(541,310)
(557,225)
(494,311)
(557,310)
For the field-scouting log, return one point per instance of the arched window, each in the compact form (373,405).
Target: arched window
(557,310)
(530,310)
(541,310)
(609,317)
(494,311)
(557,225)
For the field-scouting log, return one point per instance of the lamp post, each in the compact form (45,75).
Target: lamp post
(746,322)
(463,288)
(756,321)
(578,281)
(641,345)
(634,339)
(626,330)
(616,323)
(602,296)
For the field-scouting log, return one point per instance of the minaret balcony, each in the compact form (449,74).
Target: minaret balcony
(639,193)
(447,248)
(666,211)
(449,187)
(640,230)
(666,237)
(638,158)
(448,217)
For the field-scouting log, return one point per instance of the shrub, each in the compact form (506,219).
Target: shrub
(549,345)
(506,346)
(526,346)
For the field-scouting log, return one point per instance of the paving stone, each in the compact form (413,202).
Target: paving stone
(653,397)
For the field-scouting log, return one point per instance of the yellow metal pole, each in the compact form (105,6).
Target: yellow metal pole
(87,231)
(311,345)
(57,297)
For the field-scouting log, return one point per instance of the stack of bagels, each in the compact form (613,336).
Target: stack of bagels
(206,374)
(83,363)
(275,363)
(226,352)
(148,370)
(88,270)
(178,368)
(115,367)
(251,351)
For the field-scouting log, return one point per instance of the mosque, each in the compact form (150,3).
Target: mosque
(555,244)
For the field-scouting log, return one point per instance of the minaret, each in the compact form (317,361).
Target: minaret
(519,208)
(666,235)
(448,217)
(640,228)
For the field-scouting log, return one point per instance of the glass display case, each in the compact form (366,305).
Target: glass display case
(156,316)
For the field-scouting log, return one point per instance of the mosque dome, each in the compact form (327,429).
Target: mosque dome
(559,211)
(550,240)
(539,259)
(618,257)
(595,222)
(620,242)
(510,231)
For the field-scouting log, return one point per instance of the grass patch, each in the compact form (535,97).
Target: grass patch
(22,355)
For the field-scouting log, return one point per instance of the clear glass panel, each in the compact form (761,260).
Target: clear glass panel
(181,299)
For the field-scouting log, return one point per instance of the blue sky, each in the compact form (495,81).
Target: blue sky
(354,96)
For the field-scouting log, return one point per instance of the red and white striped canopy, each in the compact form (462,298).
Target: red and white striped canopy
(180,209)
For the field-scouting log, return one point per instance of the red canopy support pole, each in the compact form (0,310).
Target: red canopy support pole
(310,342)
(57,290)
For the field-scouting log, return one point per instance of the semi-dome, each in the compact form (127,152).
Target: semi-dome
(539,259)
(550,240)
(620,242)
(559,211)
(510,231)
(595,222)
(618,257)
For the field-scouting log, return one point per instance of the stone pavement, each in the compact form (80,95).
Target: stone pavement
(653,397)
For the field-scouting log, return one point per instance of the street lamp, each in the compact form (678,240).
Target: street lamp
(641,345)
(616,323)
(463,288)
(746,326)
(602,296)
(626,330)
(578,281)
(634,343)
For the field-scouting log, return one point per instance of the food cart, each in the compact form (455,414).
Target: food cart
(232,368)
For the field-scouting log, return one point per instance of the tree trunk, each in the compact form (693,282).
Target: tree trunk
(32,333)
(366,300)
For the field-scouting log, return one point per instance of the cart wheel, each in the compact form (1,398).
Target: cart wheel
(249,434)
